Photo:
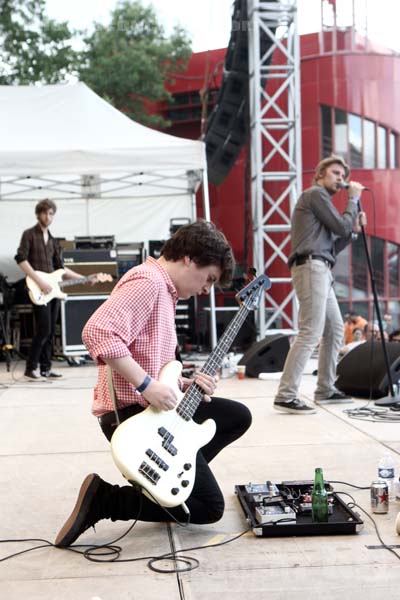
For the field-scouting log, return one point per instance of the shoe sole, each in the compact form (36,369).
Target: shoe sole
(71,529)
(295,411)
(343,401)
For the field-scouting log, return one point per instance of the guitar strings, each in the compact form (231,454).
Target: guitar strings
(193,396)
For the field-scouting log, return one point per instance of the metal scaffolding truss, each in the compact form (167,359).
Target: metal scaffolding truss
(274,79)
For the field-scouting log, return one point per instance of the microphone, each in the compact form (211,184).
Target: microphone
(345,186)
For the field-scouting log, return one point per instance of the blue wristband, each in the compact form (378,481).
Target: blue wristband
(144,385)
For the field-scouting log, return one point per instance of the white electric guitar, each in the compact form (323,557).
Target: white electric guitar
(157,449)
(55,279)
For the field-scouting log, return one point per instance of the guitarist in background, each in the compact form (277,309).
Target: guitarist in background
(133,332)
(39,251)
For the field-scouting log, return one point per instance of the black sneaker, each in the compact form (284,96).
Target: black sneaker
(84,514)
(51,374)
(296,407)
(335,398)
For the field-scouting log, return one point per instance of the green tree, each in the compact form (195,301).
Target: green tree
(129,61)
(33,48)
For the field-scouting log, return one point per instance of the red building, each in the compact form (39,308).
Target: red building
(349,106)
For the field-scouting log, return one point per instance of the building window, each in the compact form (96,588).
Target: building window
(369,144)
(359,141)
(342,283)
(188,106)
(382,153)
(361,308)
(393,162)
(354,291)
(341,133)
(359,270)
(326,123)
(377,259)
(394,312)
(393,269)
(355,141)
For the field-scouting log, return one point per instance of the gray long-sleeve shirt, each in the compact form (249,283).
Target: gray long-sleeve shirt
(317,226)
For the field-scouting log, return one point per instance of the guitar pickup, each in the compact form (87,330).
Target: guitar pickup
(167,439)
(170,448)
(157,459)
(149,472)
(166,435)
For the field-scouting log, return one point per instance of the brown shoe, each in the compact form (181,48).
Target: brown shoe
(84,514)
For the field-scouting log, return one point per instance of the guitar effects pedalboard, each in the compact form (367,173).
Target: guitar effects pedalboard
(277,510)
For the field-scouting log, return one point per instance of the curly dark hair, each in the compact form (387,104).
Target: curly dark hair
(45,205)
(206,245)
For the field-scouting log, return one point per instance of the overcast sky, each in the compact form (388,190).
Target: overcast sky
(209,21)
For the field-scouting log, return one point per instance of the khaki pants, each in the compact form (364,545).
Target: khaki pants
(320,321)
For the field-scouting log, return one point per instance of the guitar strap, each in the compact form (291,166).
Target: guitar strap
(112,393)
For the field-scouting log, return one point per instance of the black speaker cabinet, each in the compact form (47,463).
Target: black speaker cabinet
(266,356)
(362,372)
(75,312)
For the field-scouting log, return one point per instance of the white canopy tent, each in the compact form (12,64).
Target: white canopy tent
(108,174)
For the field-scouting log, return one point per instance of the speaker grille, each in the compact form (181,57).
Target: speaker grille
(266,356)
(362,372)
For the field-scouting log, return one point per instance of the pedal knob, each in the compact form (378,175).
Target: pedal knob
(175,491)
(185,483)
(187,466)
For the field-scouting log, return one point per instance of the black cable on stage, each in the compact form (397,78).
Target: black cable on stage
(354,504)
(358,487)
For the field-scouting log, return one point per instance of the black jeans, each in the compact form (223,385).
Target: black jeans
(42,343)
(206,502)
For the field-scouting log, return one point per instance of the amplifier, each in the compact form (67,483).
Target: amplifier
(75,312)
(89,255)
(128,256)
(94,242)
(110,268)
(155,247)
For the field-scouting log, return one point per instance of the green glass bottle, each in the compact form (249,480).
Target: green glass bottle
(319,499)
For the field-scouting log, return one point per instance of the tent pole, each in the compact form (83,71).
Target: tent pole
(207,216)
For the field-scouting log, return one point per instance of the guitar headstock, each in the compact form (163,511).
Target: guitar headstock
(250,295)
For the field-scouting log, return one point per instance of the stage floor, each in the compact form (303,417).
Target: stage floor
(50,442)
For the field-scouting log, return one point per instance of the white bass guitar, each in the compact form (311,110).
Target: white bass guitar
(55,279)
(157,449)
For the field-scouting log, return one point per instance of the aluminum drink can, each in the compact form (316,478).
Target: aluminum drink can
(379,497)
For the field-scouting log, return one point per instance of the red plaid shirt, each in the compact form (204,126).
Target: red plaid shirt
(138,319)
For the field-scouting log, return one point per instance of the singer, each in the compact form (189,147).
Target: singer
(319,232)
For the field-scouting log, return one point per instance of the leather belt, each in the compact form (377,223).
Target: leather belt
(301,260)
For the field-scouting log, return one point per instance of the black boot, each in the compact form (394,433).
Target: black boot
(88,510)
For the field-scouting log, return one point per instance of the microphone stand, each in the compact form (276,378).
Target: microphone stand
(392,399)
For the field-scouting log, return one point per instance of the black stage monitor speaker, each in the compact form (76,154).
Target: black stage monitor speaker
(75,312)
(362,372)
(266,356)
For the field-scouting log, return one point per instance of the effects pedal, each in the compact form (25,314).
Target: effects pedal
(274,514)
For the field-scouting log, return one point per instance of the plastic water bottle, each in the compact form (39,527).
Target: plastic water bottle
(226,367)
(386,472)
(231,357)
